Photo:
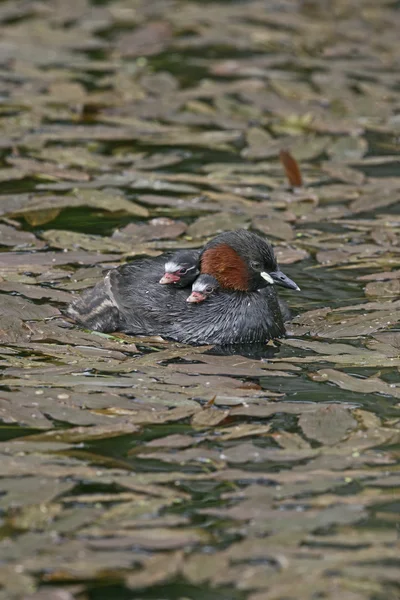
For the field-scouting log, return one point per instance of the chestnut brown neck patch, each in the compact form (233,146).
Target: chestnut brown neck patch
(223,263)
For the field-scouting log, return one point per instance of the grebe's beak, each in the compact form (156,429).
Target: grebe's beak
(169,278)
(281,279)
(196,297)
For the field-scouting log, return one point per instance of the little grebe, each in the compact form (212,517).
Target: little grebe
(130,298)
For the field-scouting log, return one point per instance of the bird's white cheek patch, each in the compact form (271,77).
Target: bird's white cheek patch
(267,277)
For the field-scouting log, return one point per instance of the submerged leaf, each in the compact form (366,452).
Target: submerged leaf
(327,425)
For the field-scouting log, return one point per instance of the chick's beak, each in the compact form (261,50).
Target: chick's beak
(196,297)
(281,279)
(169,278)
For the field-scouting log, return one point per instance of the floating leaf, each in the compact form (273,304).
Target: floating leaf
(372,385)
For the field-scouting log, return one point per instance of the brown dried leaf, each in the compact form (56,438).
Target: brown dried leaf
(292,169)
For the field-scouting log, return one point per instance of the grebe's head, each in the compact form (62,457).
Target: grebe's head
(242,261)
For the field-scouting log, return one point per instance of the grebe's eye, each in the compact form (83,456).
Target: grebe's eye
(256,265)
(182,271)
(208,289)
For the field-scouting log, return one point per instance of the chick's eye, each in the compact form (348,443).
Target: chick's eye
(208,289)
(256,265)
(182,271)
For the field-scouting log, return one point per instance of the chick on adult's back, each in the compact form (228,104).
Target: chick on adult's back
(135,285)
